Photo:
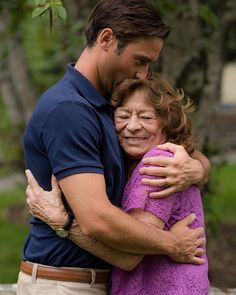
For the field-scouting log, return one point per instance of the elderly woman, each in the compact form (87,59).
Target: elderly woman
(148,113)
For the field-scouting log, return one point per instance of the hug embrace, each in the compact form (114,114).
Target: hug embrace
(117,198)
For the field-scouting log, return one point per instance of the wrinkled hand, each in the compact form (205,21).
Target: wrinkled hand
(177,173)
(188,242)
(45,205)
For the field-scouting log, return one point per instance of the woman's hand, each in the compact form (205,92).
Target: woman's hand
(45,205)
(177,173)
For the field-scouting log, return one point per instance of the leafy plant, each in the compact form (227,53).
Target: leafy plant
(50,7)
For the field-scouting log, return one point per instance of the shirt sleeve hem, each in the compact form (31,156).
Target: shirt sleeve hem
(69,172)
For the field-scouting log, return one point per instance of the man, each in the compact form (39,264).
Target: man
(71,135)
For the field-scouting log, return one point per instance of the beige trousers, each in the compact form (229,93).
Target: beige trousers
(26,286)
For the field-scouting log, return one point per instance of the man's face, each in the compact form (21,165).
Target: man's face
(132,62)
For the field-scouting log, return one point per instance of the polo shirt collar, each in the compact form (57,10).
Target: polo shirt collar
(85,87)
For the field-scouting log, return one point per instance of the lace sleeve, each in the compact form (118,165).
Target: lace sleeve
(136,194)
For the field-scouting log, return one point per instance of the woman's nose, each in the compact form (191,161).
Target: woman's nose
(133,124)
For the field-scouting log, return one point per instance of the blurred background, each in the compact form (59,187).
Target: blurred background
(199,56)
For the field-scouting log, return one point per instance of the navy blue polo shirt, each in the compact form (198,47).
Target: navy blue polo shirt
(71,131)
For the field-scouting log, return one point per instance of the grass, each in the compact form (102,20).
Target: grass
(12,237)
(222,204)
(223,185)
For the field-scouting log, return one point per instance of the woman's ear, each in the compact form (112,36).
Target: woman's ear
(106,38)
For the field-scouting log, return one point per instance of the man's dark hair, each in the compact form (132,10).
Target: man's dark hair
(128,19)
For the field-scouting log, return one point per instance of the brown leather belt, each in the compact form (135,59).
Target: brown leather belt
(69,275)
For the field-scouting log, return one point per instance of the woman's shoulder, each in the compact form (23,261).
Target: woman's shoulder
(158,152)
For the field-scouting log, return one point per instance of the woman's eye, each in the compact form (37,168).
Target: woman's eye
(147,119)
(122,117)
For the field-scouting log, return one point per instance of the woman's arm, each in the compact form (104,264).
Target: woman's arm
(147,217)
(48,207)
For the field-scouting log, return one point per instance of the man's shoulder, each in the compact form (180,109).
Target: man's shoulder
(62,92)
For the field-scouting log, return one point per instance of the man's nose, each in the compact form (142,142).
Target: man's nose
(142,74)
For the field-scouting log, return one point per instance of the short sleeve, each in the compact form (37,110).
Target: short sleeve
(71,136)
(136,194)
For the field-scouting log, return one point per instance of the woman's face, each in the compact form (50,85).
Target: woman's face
(137,125)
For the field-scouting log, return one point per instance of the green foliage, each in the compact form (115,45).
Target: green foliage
(61,12)
(205,11)
(12,237)
(12,240)
(11,197)
(10,148)
(167,6)
(16,9)
(39,11)
(219,201)
(224,196)
(50,7)
(45,53)
(208,16)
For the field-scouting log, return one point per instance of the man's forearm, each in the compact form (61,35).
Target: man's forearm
(101,220)
(108,223)
(205,167)
(131,235)
(123,260)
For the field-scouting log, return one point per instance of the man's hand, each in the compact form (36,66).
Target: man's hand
(187,242)
(45,205)
(177,173)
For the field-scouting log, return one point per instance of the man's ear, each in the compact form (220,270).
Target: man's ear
(106,38)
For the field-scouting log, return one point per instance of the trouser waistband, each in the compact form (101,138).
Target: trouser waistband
(89,276)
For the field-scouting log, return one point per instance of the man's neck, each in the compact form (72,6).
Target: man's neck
(87,65)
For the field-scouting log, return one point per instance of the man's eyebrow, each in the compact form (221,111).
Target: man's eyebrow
(145,58)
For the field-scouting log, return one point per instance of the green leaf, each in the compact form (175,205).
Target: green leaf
(208,15)
(56,3)
(40,2)
(61,12)
(40,10)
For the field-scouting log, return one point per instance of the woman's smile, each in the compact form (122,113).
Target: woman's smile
(134,138)
(137,125)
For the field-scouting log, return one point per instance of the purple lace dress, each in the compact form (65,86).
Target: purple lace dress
(158,274)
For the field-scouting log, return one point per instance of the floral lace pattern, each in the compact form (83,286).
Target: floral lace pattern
(158,274)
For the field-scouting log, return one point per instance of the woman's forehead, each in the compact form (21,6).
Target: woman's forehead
(139,98)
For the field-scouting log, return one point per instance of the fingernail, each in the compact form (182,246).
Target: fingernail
(141,171)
